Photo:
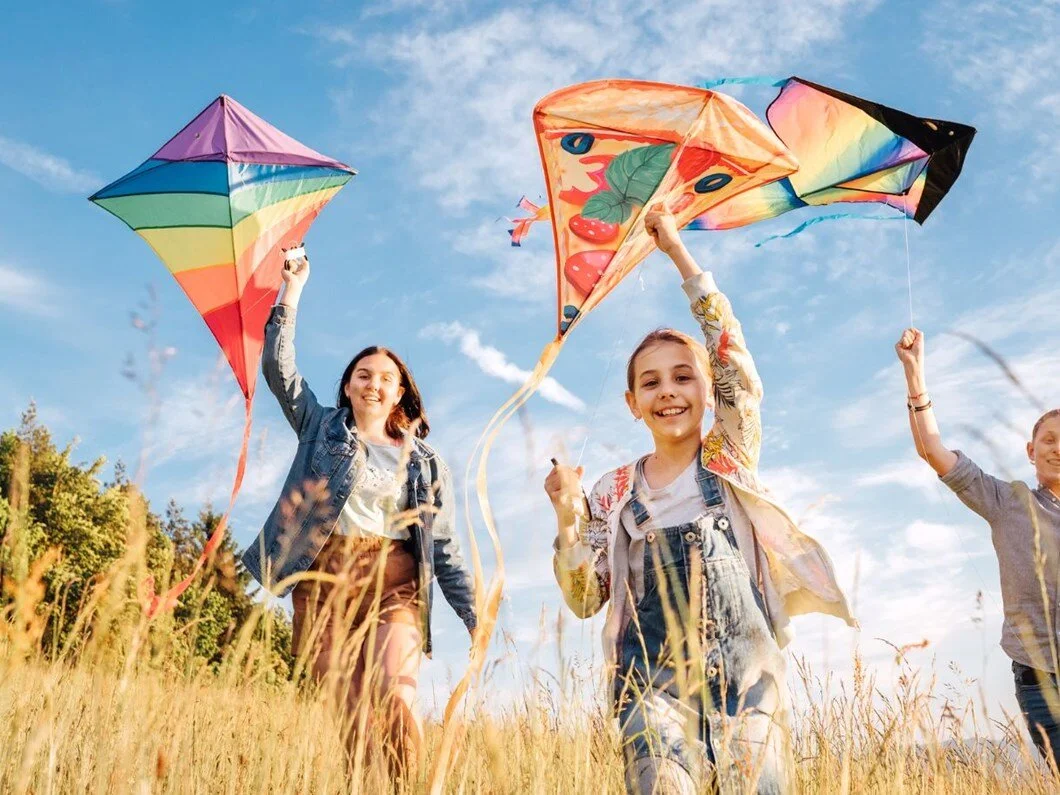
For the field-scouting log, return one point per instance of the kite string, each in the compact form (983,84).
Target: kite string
(603,383)
(908,272)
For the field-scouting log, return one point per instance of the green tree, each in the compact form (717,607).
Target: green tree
(52,502)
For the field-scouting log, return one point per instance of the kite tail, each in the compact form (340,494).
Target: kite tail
(521,226)
(490,601)
(759,80)
(160,603)
(834,217)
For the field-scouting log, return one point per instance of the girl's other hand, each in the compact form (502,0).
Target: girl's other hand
(662,226)
(910,348)
(564,487)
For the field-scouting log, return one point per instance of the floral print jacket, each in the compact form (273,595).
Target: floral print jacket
(799,567)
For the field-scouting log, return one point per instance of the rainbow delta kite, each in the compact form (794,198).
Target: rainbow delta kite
(217,203)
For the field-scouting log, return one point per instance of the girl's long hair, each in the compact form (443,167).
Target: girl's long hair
(409,410)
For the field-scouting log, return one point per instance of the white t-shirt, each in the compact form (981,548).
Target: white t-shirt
(382,493)
(677,503)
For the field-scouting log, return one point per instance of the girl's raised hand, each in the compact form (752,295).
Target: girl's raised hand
(910,348)
(661,225)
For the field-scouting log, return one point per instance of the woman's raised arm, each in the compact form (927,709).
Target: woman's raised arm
(922,424)
(300,406)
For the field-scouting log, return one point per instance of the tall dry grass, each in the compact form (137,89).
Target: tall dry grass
(118,712)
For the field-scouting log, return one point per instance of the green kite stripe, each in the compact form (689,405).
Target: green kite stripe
(161,210)
(249,200)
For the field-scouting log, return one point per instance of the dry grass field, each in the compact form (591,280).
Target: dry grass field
(109,701)
(118,713)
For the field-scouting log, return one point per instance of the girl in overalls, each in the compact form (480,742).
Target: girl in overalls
(699,567)
(363,526)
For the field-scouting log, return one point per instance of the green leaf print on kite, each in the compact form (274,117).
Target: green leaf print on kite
(632,178)
(608,207)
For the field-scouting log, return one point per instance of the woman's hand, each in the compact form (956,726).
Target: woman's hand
(662,226)
(910,349)
(295,274)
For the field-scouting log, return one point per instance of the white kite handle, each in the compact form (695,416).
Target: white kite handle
(294,254)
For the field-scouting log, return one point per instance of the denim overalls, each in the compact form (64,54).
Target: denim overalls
(701,679)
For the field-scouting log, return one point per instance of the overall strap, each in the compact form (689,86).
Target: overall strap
(712,495)
(640,513)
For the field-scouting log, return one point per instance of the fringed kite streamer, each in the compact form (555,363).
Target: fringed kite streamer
(217,204)
(762,80)
(833,217)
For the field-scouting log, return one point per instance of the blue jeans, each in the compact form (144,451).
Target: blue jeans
(1039,700)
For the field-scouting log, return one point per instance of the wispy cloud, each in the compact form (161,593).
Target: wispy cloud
(969,390)
(46,169)
(526,274)
(25,292)
(494,363)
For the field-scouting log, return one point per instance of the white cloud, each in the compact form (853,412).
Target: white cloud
(46,169)
(932,537)
(972,396)
(524,273)
(494,363)
(908,473)
(25,291)
(1002,52)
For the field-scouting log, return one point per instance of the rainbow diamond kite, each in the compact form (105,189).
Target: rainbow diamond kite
(216,204)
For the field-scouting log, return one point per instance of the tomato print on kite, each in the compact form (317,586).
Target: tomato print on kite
(217,203)
(849,150)
(611,149)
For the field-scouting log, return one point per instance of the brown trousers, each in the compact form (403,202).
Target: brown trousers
(358,627)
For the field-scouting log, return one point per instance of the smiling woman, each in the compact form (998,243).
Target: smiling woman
(362,528)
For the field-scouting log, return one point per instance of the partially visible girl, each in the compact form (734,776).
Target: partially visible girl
(1025,529)
(363,526)
(699,566)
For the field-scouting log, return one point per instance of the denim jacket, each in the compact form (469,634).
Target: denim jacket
(328,466)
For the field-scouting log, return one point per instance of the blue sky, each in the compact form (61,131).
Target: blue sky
(431,102)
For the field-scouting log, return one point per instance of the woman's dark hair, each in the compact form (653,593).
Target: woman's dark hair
(409,409)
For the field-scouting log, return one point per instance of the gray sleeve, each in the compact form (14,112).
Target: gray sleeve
(983,493)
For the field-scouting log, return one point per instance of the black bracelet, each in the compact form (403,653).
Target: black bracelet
(925,407)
